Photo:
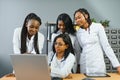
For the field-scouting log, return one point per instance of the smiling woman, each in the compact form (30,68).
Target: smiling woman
(26,39)
(94,43)
(32,27)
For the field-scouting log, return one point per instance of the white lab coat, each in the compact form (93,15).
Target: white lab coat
(94,43)
(29,43)
(61,68)
(73,39)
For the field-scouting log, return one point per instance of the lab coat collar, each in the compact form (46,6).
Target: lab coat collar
(59,32)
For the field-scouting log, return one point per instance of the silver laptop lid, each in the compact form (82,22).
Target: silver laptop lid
(30,66)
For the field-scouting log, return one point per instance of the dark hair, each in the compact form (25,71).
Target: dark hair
(67,41)
(24,33)
(69,28)
(84,11)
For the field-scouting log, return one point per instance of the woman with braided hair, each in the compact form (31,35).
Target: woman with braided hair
(94,43)
(27,39)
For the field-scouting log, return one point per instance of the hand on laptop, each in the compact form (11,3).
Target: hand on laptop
(10,75)
(69,76)
(118,69)
(49,69)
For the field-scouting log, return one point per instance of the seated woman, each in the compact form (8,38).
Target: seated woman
(62,59)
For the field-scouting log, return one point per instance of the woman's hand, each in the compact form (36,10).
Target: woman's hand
(118,69)
(69,76)
(10,75)
(49,69)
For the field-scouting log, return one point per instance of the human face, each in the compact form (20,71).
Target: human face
(60,46)
(80,19)
(61,26)
(32,27)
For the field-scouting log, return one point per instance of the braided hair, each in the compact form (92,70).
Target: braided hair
(84,12)
(24,33)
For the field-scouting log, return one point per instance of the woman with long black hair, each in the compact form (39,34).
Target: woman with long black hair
(27,39)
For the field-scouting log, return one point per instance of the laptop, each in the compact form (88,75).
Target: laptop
(30,66)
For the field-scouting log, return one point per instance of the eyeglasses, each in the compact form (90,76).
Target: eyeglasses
(59,44)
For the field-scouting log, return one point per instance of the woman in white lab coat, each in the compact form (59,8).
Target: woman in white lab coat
(62,61)
(27,39)
(94,43)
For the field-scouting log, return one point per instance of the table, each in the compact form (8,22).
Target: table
(114,76)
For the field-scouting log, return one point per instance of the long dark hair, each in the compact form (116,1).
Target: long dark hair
(84,11)
(24,33)
(67,22)
(67,41)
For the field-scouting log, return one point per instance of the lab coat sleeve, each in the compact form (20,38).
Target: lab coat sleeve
(77,50)
(16,41)
(40,41)
(52,38)
(66,69)
(50,56)
(106,47)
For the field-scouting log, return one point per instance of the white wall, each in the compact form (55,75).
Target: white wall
(13,12)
